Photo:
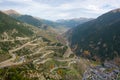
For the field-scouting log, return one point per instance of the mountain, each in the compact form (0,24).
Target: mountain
(14,33)
(98,39)
(11,30)
(42,24)
(7,24)
(73,22)
(31,53)
(60,26)
(11,12)
(34,52)
(30,20)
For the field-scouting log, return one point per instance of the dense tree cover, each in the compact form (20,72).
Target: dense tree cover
(7,23)
(101,37)
(30,20)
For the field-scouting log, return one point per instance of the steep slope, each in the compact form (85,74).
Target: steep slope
(99,38)
(60,26)
(29,53)
(24,18)
(7,24)
(30,20)
(35,21)
(14,33)
(40,23)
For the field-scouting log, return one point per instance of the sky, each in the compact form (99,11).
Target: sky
(60,9)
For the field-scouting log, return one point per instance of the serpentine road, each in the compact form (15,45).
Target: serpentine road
(10,61)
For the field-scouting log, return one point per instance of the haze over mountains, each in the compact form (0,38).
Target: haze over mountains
(73,22)
(60,24)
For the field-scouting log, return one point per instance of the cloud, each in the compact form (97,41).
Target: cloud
(52,9)
(1,1)
(20,1)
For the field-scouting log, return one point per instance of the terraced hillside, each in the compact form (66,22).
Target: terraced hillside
(30,53)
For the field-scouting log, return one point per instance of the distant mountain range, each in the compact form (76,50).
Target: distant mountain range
(73,22)
(98,39)
(14,27)
(38,22)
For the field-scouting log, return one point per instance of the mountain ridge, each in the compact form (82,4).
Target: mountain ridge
(99,37)
(60,24)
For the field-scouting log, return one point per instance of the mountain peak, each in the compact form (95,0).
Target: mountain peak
(115,10)
(11,11)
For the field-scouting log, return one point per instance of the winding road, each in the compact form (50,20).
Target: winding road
(10,62)
(68,51)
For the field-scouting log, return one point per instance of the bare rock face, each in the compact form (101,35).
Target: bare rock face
(10,12)
(116,10)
